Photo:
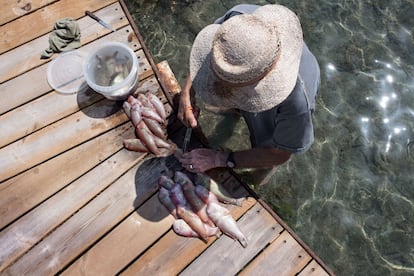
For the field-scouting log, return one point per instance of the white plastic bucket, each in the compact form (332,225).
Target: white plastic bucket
(112,70)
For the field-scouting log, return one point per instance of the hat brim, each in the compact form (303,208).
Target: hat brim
(268,92)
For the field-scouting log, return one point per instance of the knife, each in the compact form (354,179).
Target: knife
(100,21)
(187,138)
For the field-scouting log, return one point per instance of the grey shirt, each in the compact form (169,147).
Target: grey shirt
(287,126)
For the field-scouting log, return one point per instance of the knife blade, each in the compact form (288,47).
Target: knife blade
(100,21)
(187,138)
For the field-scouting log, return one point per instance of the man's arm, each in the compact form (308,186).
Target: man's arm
(200,160)
(259,157)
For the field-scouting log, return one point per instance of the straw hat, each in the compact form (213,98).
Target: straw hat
(249,62)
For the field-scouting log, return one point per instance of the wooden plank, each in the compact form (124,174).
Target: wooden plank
(283,257)
(228,256)
(22,193)
(125,242)
(171,85)
(93,221)
(60,136)
(13,63)
(33,116)
(12,9)
(17,91)
(173,253)
(313,269)
(35,225)
(17,32)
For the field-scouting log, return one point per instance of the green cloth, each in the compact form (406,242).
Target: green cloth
(64,37)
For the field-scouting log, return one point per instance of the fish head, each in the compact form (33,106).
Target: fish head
(181,177)
(144,100)
(166,182)
(164,193)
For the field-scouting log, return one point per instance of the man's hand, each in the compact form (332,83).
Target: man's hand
(187,111)
(201,160)
(187,115)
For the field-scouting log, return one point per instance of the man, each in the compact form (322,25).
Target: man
(253,59)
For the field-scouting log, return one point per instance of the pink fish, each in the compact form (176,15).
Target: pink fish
(135,114)
(127,109)
(166,182)
(150,113)
(132,100)
(155,127)
(157,104)
(181,177)
(164,198)
(197,205)
(223,219)
(162,143)
(135,145)
(181,228)
(193,221)
(144,101)
(147,137)
(205,194)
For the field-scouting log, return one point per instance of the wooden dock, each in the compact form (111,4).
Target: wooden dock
(73,201)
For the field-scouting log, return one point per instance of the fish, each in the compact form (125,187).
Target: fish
(163,143)
(194,221)
(146,137)
(181,228)
(220,192)
(204,194)
(166,182)
(132,100)
(127,109)
(223,219)
(135,145)
(157,104)
(177,195)
(197,205)
(135,114)
(181,177)
(145,101)
(149,127)
(155,127)
(164,198)
(150,113)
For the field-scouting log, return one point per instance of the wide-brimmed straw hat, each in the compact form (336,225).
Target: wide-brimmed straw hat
(249,62)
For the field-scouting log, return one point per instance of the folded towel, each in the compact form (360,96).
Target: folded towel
(64,37)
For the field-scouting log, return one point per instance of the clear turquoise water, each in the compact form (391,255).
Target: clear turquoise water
(351,196)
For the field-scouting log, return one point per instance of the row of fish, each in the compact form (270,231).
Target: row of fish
(148,115)
(197,207)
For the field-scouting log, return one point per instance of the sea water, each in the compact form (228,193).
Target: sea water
(351,196)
